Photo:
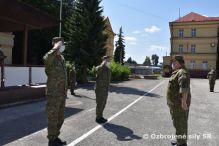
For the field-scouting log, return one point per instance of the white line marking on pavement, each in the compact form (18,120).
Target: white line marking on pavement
(91,109)
(84,136)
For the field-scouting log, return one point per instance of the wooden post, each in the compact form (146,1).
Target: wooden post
(25,41)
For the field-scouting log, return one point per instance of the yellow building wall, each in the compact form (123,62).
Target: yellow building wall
(202,45)
(206,35)
(110,44)
(6,44)
(166,60)
(203,29)
(110,40)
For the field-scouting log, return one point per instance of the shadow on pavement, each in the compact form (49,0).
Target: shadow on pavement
(122,133)
(17,128)
(83,96)
(123,90)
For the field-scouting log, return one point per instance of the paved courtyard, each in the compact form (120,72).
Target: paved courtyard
(137,113)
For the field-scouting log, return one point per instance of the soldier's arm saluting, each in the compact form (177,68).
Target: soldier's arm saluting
(50,56)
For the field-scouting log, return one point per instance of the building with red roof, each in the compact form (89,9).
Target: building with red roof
(195,37)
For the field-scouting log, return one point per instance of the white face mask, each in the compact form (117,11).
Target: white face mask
(173,66)
(62,48)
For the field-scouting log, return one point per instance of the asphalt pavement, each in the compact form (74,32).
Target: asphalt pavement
(137,114)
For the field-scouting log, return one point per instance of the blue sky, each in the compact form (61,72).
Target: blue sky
(145,23)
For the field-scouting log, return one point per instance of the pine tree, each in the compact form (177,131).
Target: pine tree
(130,61)
(147,61)
(119,55)
(155,59)
(85,35)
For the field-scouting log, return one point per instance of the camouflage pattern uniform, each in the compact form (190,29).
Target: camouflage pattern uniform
(72,78)
(179,82)
(56,92)
(212,76)
(101,88)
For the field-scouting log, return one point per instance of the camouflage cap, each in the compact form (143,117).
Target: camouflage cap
(105,57)
(57,39)
(178,58)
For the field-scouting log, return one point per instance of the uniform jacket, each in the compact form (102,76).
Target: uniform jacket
(55,69)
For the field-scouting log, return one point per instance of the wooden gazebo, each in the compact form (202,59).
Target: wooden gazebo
(18,16)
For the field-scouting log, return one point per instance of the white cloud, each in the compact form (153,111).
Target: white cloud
(136,32)
(152,29)
(131,40)
(133,43)
(205,15)
(157,48)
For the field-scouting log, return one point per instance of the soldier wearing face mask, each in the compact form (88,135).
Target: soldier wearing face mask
(101,88)
(179,99)
(56,91)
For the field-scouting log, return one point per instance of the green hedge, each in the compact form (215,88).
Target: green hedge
(119,72)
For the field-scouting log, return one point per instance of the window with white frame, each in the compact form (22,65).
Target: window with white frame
(180,49)
(181,33)
(193,48)
(205,65)
(193,32)
(192,64)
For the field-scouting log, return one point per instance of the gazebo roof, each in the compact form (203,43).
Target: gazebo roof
(14,15)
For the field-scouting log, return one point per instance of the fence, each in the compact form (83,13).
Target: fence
(18,75)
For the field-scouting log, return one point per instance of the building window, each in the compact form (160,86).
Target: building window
(193,32)
(180,49)
(193,48)
(205,65)
(192,64)
(181,33)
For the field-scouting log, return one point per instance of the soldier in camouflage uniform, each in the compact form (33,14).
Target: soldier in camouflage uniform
(212,76)
(179,99)
(56,92)
(101,88)
(72,78)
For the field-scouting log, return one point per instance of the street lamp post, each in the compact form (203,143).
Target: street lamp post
(60,18)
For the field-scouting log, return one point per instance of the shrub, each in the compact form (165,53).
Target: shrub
(119,72)
(92,72)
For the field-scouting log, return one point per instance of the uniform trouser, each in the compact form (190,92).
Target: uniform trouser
(180,122)
(72,87)
(55,107)
(211,83)
(101,99)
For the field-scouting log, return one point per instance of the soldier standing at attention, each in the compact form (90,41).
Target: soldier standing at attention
(72,78)
(179,99)
(56,90)
(212,76)
(101,88)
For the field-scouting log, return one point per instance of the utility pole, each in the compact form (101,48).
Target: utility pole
(60,19)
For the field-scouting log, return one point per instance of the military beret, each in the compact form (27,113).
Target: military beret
(178,58)
(105,57)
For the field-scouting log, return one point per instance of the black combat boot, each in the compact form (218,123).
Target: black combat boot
(182,144)
(101,120)
(53,143)
(61,142)
(173,142)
